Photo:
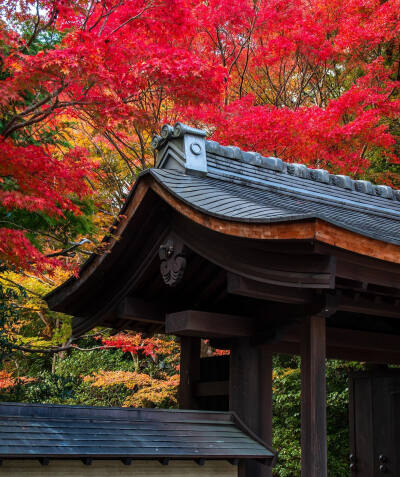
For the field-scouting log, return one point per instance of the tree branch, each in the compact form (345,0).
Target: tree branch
(132,18)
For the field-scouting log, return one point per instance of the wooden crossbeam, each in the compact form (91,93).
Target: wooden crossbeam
(341,343)
(133,308)
(345,344)
(204,324)
(339,337)
(238,285)
(358,303)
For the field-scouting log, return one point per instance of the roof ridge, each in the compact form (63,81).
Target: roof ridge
(276,164)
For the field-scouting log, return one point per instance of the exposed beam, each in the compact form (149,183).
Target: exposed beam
(365,355)
(352,265)
(350,345)
(337,352)
(238,285)
(366,287)
(359,303)
(342,338)
(136,309)
(291,270)
(357,271)
(363,305)
(204,324)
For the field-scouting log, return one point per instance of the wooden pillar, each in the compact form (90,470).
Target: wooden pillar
(189,371)
(250,396)
(313,398)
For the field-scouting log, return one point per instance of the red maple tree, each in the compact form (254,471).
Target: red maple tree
(309,81)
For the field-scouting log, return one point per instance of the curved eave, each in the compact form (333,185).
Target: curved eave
(56,297)
(295,227)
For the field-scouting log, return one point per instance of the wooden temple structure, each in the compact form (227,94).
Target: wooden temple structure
(259,256)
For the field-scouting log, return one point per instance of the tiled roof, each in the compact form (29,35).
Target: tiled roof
(51,431)
(244,186)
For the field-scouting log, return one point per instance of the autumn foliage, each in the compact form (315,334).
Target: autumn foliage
(150,384)
(85,84)
(137,344)
(8,381)
(146,391)
(308,81)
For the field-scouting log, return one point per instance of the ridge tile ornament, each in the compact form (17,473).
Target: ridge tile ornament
(183,148)
(195,161)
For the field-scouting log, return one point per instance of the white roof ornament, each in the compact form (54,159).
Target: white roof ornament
(185,149)
(181,148)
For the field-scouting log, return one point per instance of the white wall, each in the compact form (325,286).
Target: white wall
(32,468)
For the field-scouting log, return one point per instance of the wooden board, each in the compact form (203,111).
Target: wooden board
(106,468)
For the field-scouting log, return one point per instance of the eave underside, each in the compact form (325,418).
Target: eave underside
(273,273)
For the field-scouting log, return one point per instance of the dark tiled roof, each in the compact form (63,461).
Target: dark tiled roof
(244,186)
(35,431)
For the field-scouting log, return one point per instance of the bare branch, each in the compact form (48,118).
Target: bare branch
(68,346)
(66,252)
(132,18)
(20,286)
(38,29)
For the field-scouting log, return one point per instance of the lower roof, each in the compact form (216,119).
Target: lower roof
(74,432)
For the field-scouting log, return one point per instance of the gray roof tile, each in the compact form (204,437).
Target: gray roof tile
(74,432)
(244,186)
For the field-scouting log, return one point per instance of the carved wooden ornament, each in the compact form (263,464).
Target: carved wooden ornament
(173,261)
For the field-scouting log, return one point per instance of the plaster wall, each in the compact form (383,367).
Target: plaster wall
(32,468)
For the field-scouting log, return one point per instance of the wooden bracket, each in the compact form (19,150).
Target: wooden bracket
(325,305)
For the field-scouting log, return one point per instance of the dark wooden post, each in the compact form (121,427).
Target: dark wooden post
(250,395)
(189,372)
(313,398)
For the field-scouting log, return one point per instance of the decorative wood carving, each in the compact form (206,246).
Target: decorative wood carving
(173,261)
